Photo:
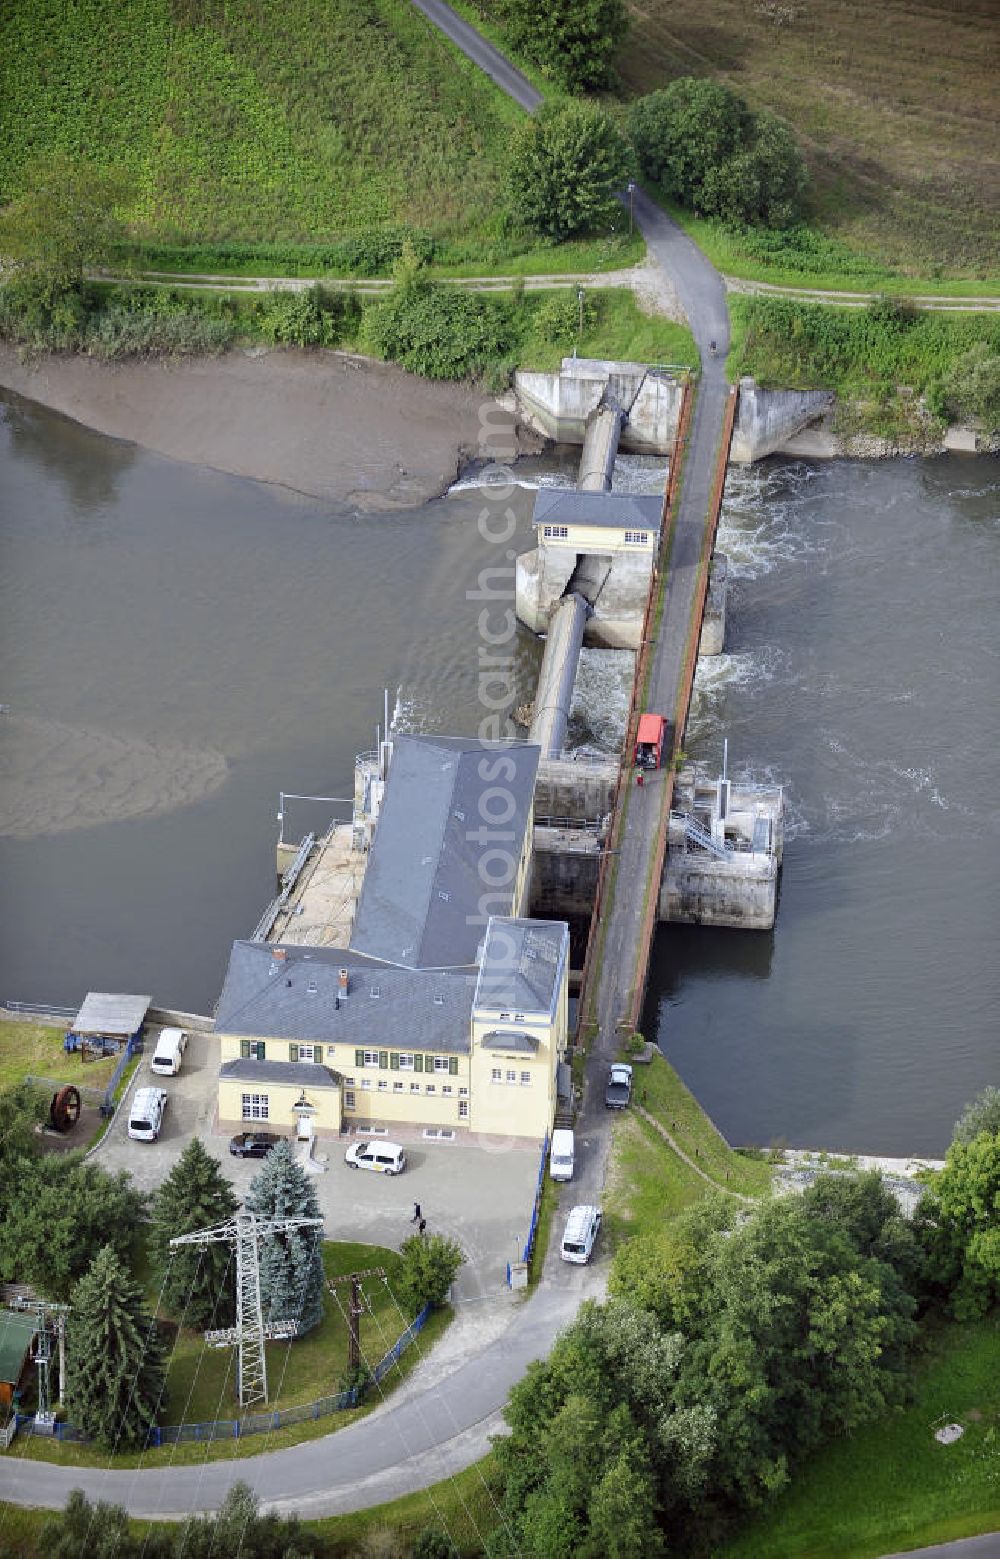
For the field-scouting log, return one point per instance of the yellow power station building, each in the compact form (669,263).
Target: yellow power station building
(449,1008)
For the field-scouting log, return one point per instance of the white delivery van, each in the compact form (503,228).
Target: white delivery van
(580,1233)
(169,1052)
(386,1158)
(146,1114)
(561,1155)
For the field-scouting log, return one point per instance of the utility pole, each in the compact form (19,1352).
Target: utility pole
(355,1309)
(579,299)
(51,1318)
(251,1332)
(631,198)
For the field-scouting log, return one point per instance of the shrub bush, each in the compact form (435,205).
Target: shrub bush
(572,41)
(439,331)
(566,162)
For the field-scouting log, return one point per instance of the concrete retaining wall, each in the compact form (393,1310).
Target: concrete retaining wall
(559,404)
(767,419)
(702,890)
(565,866)
(583,791)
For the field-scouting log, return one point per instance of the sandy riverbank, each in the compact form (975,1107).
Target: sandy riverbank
(334,426)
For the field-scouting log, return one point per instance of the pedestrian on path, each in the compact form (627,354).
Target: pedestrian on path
(640,779)
(422,1226)
(416,1213)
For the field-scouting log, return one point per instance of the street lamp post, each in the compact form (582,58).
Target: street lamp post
(631,197)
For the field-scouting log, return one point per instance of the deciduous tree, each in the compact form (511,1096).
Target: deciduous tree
(60,1217)
(430,1263)
(198,1281)
(959,1221)
(572,41)
(114,1358)
(565,165)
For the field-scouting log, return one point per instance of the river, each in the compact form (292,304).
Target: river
(179,646)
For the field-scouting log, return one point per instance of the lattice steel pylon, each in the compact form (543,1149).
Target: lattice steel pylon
(251,1332)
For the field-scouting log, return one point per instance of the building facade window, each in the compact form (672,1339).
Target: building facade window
(525,1079)
(496,1075)
(556,532)
(252,1050)
(366,1082)
(370,1058)
(255,1106)
(397,1088)
(305,1053)
(350,1099)
(431,1088)
(637,538)
(511,1075)
(447,1088)
(464,1093)
(414,1087)
(463,1109)
(405,1062)
(383,1086)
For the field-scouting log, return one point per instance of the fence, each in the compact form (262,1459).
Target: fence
(34,1009)
(529,1244)
(253,1423)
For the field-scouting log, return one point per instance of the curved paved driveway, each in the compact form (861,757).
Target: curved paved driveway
(431,1433)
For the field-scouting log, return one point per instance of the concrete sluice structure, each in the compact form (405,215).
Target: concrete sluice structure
(587,582)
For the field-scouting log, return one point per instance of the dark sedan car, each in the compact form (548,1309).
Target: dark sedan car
(253,1144)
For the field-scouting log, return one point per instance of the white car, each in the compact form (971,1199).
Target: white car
(386,1158)
(581,1231)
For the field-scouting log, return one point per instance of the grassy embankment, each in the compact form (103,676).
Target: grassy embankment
(865,355)
(273,141)
(36,1050)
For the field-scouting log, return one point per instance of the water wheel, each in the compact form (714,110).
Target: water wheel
(64,1111)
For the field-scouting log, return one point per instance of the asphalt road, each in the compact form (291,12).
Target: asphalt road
(483,54)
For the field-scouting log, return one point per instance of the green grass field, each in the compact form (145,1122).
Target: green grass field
(892,1486)
(36,1049)
(306,120)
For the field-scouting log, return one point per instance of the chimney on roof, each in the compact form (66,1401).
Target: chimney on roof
(343,980)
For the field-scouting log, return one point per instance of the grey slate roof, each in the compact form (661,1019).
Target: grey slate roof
(114,1015)
(420,904)
(566,506)
(510,1039)
(304,1074)
(414,1009)
(522,965)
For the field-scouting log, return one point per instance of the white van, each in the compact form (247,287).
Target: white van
(169,1052)
(580,1233)
(561,1155)
(146,1115)
(386,1158)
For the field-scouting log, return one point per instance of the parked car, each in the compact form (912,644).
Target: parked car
(386,1158)
(169,1052)
(562,1156)
(581,1231)
(253,1144)
(146,1115)
(619,1087)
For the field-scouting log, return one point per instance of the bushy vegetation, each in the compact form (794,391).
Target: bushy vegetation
(701,144)
(430,1266)
(102,1531)
(440,332)
(870,350)
(573,42)
(566,164)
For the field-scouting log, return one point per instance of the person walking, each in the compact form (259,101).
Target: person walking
(416,1213)
(422,1226)
(640,779)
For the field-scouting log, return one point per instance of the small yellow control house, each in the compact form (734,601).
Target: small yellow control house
(450,1008)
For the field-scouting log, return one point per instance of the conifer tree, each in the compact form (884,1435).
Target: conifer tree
(199,1280)
(114,1357)
(291,1265)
